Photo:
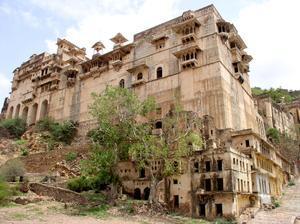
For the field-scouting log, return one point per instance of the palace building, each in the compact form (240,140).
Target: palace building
(199,55)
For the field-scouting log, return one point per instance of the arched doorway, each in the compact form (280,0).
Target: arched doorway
(146,193)
(25,114)
(44,109)
(17,113)
(33,113)
(137,194)
(10,114)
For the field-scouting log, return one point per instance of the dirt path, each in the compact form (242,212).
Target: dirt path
(54,213)
(287,212)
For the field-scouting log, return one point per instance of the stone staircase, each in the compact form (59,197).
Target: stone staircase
(288,211)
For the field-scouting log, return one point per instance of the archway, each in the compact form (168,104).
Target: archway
(44,109)
(10,114)
(146,193)
(137,194)
(25,114)
(17,113)
(33,113)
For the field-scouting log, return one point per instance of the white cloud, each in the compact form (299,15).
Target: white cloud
(270,29)
(51,46)
(101,20)
(25,16)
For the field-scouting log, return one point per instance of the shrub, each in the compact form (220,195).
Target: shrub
(128,207)
(273,133)
(12,169)
(80,184)
(291,183)
(45,124)
(71,156)
(276,204)
(5,192)
(21,143)
(84,183)
(15,127)
(24,152)
(59,132)
(64,132)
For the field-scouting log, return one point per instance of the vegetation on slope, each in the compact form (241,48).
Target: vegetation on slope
(279,95)
(15,127)
(59,132)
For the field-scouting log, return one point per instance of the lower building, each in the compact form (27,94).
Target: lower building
(233,171)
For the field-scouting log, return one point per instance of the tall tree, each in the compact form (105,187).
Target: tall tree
(124,132)
(117,111)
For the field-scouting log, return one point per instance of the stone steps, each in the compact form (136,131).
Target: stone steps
(287,212)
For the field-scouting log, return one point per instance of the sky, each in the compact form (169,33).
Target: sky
(270,29)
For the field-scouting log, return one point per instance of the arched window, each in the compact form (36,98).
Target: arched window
(33,113)
(25,113)
(159,72)
(140,76)
(122,83)
(187,57)
(17,113)
(11,110)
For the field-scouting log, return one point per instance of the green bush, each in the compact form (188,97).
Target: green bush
(21,143)
(80,184)
(5,192)
(84,183)
(291,183)
(12,169)
(60,132)
(273,133)
(15,127)
(45,124)
(24,152)
(71,156)
(64,132)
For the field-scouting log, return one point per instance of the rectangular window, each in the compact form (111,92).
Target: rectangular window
(247,143)
(176,201)
(196,167)
(219,210)
(220,165)
(220,184)
(207,185)
(175,181)
(202,210)
(207,166)
(235,67)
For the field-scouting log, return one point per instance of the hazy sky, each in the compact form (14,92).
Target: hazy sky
(270,29)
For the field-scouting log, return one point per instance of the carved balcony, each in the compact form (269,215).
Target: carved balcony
(27,97)
(236,55)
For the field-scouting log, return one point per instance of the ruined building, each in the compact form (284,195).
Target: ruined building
(201,55)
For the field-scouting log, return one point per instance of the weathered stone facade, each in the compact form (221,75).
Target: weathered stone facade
(202,57)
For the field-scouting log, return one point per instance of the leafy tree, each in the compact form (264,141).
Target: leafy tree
(278,95)
(125,131)
(117,111)
(273,133)
(180,135)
